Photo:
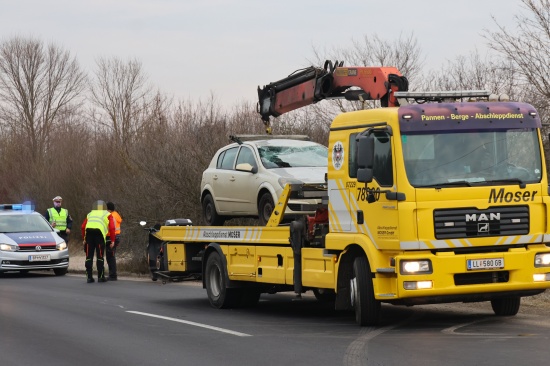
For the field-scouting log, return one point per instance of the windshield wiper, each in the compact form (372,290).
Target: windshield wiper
(521,183)
(459,183)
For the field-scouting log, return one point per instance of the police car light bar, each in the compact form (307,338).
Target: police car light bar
(16,206)
(25,206)
(439,95)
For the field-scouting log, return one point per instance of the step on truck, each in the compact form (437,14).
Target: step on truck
(430,198)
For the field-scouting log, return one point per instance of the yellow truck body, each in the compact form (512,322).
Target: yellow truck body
(394,234)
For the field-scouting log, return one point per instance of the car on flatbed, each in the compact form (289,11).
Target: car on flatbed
(247,177)
(29,243)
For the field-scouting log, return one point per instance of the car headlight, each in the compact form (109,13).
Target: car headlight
(422,266)
(542,260)
(9,247)
(283,181)
(61,246)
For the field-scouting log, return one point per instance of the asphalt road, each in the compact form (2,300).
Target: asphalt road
(48,320)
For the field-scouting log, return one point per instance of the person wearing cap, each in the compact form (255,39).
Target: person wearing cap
(95,228)
(110,250)
(59,218)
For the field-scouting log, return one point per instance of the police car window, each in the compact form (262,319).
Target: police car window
(229,158)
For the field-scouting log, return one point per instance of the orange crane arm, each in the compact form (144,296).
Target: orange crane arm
(312,84)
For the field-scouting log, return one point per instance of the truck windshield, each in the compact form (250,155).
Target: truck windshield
(455,159)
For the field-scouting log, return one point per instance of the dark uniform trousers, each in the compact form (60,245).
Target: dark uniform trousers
(95,243)
(110,254)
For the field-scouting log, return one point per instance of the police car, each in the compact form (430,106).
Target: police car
(28,242)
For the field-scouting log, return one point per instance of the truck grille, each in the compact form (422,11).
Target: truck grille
(471,222)
(478,278)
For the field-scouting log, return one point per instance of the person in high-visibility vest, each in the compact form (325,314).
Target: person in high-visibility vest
(98,224)
(59,218)
(110,250)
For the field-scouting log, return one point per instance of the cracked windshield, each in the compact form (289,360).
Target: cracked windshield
(468,158)
(293,156)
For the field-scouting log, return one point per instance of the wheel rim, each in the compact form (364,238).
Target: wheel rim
(267,211)
(214,279)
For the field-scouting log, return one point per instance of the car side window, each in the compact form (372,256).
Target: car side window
(228,158)
(246,155)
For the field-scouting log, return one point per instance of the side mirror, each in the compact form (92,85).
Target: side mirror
(365,158)
(246,167)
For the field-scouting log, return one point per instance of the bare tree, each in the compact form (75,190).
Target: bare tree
(404,53)
(476,72)
(36,83)
(527,46)
(124,99)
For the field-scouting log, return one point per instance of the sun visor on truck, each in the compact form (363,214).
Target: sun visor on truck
(467,116)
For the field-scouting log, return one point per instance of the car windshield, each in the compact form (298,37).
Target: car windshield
(276,156)
(19,223)
(474,157)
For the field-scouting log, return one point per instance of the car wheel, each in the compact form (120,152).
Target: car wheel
(265,208)
(60,271)
(209,213)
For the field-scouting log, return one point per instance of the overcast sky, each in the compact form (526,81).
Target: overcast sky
(192,48)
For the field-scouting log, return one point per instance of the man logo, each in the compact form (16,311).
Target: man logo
(38,248)
(483,228)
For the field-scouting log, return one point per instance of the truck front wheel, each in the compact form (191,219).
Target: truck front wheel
(219,295)
(367,308)
(508,306)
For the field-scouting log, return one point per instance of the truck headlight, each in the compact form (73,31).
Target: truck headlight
(423,266)
(9,247)
(61,246)
(542,260)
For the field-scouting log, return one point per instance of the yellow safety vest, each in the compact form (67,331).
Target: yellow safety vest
(60,218)
(99,219)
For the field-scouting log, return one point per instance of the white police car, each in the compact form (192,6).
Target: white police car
(29,243)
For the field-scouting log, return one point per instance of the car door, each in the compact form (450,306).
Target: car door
(245,183)
(223,177)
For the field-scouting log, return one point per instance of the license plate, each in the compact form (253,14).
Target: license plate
(39,258)
(490,263)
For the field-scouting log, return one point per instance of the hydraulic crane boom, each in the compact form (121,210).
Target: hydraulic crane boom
(312,84)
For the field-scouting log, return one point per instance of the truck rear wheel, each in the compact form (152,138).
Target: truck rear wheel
(367,308)
(508,306)
(219,295)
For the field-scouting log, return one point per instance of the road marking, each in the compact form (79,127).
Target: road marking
(222,330)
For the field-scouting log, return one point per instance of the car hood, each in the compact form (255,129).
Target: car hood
(306,175)
(45,238)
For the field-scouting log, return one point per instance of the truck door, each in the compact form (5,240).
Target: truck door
(378,199)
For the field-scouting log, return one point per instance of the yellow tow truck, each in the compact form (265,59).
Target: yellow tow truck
(433,197)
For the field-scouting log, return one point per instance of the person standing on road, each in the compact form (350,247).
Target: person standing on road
(112,245)
(60,219)
(95,228)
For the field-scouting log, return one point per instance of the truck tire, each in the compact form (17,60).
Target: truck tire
(367,308)
(508,306)
(265,208)
(215,278)
(209,213)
